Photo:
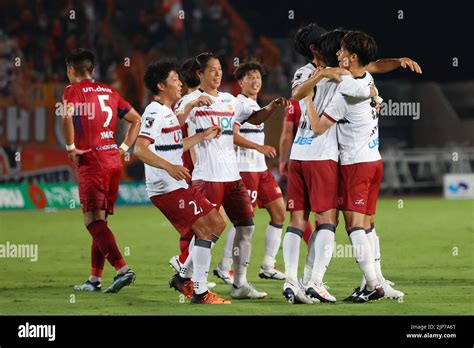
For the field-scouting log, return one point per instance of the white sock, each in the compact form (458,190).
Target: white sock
(226,261)
(123,270)
(363,283)
(186,270)
(272,244)
(94,279)
(364,256)
(378,258)
(324,247)
(241,256)
(308,267)
(201,255)
(291,252)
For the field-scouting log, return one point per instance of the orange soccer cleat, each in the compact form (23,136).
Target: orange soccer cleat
(209,298)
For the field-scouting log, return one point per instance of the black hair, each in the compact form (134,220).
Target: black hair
(188,74)
(82,60)
(245,67)
(305,36)
(158,72)
(329,44)
(201,60)
(361,44)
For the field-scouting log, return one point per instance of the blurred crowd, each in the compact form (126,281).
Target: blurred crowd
(35,37)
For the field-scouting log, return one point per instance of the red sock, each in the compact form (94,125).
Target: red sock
(105,240)
(307,232)
(98,260)
(184,246)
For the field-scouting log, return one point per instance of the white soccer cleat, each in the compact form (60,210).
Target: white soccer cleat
(271,273)
(226,276)
(246,291)
(320,293)
(174,262)
(391,292)
(211,285)
(295,293)
(389,282)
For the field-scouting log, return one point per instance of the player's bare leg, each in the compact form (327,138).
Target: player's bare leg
(293,290)
(276,209)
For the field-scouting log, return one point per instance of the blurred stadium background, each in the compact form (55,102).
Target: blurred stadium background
(35,37)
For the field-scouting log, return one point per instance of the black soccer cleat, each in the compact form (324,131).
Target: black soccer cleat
(370,295)
(353,296)
(121,280)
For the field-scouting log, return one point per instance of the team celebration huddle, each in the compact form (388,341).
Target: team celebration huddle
(204,155)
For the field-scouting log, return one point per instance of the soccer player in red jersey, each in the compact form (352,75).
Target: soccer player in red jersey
(91,113)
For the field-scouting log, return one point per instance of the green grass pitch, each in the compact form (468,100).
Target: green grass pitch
(427,250)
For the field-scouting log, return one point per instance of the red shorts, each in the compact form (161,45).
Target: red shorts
(312,185)
(182,207)
(231,195)
(360,185)
(98,188)
(262,187)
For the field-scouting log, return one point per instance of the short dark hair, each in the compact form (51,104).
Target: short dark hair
(245,67)
(188,74)
(201,60)
(361,44)
(82,60)
(329,44)
(305,36)
(158,72)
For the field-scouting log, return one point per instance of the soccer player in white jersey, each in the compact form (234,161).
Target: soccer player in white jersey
(186,241)
(361,164)
(262,187)
(313,181)
(160,146)
(310,44)
(216,174)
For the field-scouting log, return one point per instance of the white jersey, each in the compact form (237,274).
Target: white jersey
(357,131)
(161,127)
(216,159)
(250,160)
(302,74)
(306,145)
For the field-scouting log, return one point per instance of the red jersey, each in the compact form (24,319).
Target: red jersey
(187,160)
(293,114)
(97,108)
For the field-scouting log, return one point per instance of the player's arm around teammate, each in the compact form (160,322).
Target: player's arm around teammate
(178,172)
(263,114)
(160,146)
(201,101)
